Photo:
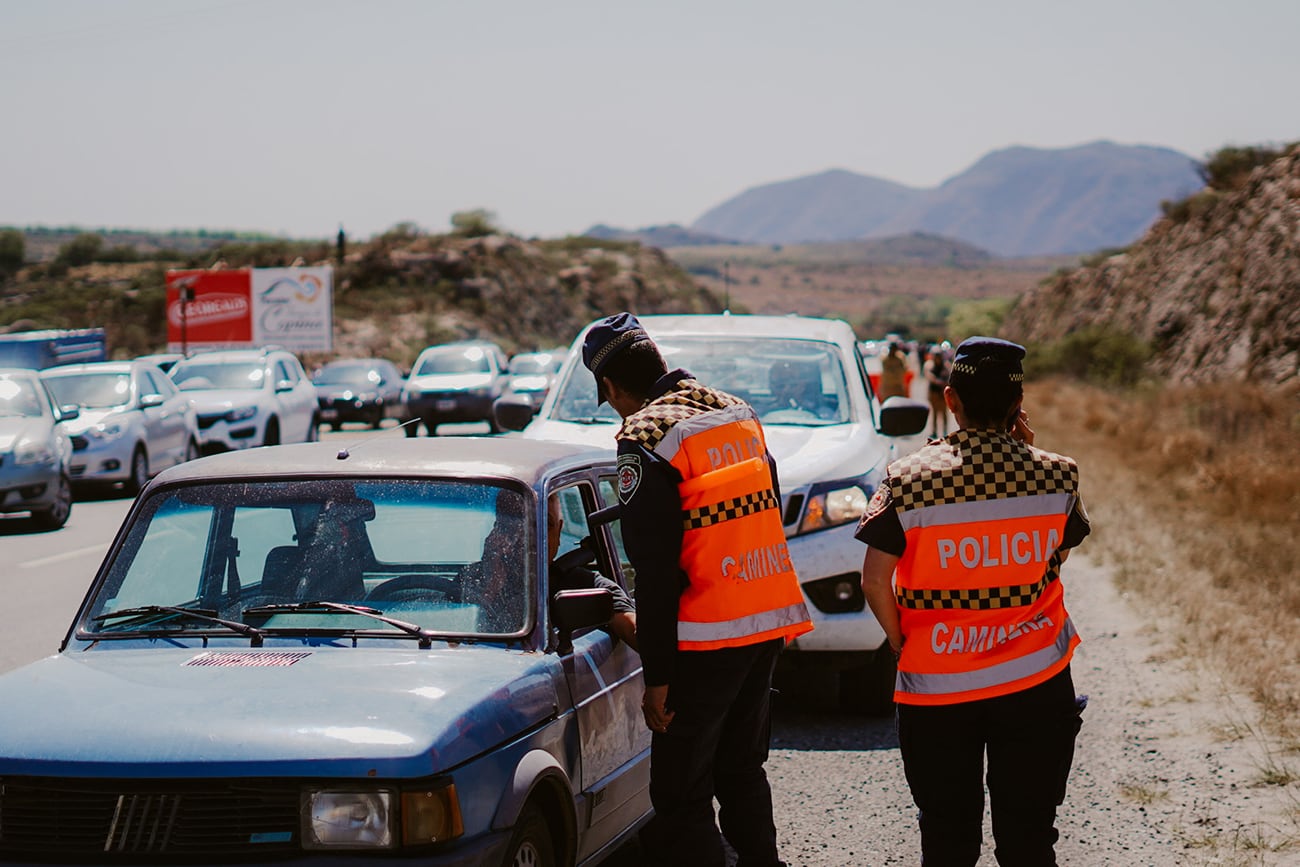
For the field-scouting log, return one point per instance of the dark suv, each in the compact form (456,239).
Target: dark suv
(455,382)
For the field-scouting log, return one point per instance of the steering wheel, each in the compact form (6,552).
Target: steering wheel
(408,587)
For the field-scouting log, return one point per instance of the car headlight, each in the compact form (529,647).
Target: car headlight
(106,432)
(342,819)
(347,820)
(29,452)
(240,413)
(834,504)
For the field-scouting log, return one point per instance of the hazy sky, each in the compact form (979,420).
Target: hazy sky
(293,116)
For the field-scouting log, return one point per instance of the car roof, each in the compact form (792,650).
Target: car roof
(96,367)
(806,327)
(231,355)
(396,457)
(23,372)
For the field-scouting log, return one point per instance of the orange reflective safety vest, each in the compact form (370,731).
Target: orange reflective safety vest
(981,608)
(742,586)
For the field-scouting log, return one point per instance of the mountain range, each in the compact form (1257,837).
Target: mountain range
(1017,201)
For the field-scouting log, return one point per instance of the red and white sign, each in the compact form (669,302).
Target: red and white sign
(250,307)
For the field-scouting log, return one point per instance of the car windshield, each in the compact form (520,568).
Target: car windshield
(451,557)
(192,375)
(786,380)
(530,365)
(470,360)
(357,375)
(91,390)
(18,397)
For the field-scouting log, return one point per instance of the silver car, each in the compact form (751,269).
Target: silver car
(133,421)
(35,450)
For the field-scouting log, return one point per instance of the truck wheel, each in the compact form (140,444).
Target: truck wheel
(530,845)
(868,689)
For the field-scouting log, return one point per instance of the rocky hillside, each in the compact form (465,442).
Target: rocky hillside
(1214,289)
(393,295)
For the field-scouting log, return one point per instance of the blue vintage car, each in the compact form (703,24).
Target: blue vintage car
(296,655)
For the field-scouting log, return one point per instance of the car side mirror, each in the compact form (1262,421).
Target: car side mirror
(512,413)
(68,412)
(149,400)
(572,610)
(900,417)
(284,385)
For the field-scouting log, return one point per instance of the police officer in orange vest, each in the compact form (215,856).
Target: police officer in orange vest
(717,597)
(973,529)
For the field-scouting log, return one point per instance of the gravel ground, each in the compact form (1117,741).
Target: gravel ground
(1169,768)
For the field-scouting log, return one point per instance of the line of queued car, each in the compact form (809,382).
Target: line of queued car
(116,424)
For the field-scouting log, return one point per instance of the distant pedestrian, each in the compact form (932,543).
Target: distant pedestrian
(935,371)
(698,490)
(893,373)
(977,526)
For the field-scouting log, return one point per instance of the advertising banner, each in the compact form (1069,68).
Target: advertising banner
(293,308)
(251,307)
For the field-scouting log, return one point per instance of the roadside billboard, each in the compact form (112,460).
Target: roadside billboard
(250,307)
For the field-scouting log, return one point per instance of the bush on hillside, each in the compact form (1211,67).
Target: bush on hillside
(81,250)
(13,251)
(474,224)
(1228,168)
(984,316)
(1096,354)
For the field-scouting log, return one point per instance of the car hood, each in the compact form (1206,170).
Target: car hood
(448,382)
(804,454)
(221,399)
(340,711)
(13,429)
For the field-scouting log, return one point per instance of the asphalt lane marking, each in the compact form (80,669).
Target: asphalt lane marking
(66,555)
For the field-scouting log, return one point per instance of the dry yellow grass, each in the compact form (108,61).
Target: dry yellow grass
(1194,493)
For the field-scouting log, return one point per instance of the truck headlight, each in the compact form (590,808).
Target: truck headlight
(347,820)
(833,507)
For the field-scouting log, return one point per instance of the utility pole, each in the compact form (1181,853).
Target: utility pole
(187,295)
(726,284)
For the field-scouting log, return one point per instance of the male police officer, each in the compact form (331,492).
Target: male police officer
(717,596)
(977,525)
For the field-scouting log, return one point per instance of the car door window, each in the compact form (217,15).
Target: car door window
(609,497)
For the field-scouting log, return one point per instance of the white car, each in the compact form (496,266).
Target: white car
(132,424)
(249,397)
(35,450)
(806,380)
(531,375)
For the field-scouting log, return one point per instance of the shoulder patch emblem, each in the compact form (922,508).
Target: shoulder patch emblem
(629,476)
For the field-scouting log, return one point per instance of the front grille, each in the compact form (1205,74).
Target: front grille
(208,419)
(79,443)
(112,820)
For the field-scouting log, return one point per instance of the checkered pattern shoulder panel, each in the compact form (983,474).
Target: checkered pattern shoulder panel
(649,425)
(969,466)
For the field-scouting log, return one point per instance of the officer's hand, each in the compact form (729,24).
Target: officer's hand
(1021,429)
(657,716)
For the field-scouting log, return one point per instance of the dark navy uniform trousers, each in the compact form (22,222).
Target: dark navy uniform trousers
(715,746)
(1029,737)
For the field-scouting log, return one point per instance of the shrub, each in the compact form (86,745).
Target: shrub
(1096,354)
(1228,168)
(969,318)
(81,250)
(474,224)
(12,252)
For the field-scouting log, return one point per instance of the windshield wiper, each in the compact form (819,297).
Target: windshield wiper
(592,419)
(206,615)
(426,637)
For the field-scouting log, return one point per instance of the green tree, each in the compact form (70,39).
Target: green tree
(81,250)
(474,224)
(12,252)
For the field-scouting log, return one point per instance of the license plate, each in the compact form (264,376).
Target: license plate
(444,405)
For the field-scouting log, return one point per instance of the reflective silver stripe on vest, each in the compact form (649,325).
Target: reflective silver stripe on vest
(1019,506)
(754,624)
(995,675)
(672,441)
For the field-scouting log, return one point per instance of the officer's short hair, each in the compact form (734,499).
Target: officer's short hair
(636,369)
